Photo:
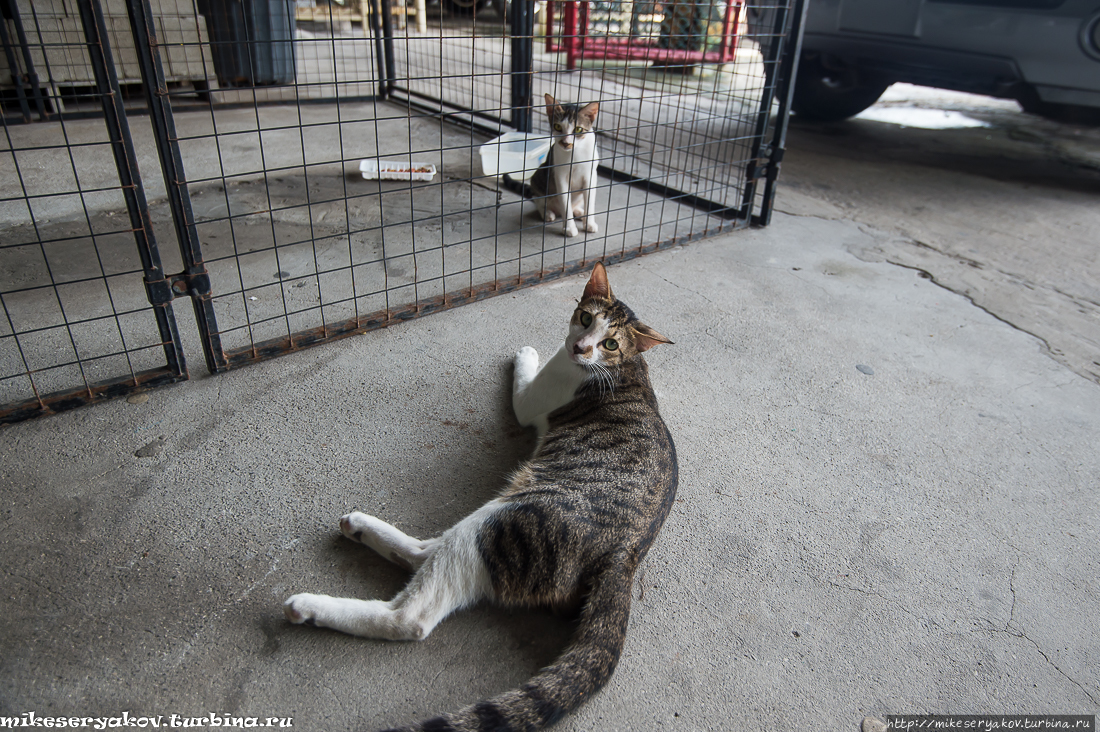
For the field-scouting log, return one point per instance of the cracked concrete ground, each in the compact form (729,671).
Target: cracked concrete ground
(1006,214)
(888,498)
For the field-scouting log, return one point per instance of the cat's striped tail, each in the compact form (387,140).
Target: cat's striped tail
(572,679)
(517,186)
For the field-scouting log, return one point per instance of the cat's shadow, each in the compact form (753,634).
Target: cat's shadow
(537,635)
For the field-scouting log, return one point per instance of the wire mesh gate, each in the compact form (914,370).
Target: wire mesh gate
(75,305)
(260,113)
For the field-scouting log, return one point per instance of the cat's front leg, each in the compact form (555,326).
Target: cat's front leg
(588,222)
(582,204)
(526,363)
(588,219)
(590,203)
(551,387)
(569,225)
(578,205)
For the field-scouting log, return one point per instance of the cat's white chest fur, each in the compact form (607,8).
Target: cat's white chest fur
(536,393)
(573,181)
(575,168)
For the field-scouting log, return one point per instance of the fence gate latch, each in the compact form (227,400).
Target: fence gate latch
(772,171)
(164,291)
(766,167)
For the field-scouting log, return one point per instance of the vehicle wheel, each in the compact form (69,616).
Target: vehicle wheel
(823,94)
(461,7)
(1070,113)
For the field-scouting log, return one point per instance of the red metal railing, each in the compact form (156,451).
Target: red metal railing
(575,39)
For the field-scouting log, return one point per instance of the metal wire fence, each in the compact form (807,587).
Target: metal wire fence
(320,170)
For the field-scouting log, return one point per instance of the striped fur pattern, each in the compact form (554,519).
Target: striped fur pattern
(569,530)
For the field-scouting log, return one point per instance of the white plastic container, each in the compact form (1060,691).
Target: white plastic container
(514,153)
(393,170)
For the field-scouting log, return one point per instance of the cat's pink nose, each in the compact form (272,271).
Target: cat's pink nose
(580,351)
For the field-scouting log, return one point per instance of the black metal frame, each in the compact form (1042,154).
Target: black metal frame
(195,281)
(784,57)
(523,46)
(29,78)
(114,115)
(755,209)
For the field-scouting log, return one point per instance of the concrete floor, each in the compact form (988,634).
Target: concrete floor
(1004,214)
(888,499)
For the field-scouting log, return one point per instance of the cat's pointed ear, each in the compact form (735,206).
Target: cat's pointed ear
(646,338)
(597,284)
(550,104)
(589,112)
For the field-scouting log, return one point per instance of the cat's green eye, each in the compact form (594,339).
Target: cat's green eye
(578,130)
(586,319)
(557,126)
(610,344)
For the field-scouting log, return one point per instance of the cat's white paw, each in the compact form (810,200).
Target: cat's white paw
(353,525)
(527,365)
(591,227)
(301,608)
(570,228)
(550,216)
(526,358)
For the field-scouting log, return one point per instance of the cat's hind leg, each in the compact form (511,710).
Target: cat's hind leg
(430,596)
(389,541)
(452,577)
(544,211)
(578,205)
(365,618)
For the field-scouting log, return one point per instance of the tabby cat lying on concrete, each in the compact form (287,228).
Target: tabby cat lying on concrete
(571,527)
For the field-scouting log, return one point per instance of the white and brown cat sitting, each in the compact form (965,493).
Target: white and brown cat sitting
(564,186)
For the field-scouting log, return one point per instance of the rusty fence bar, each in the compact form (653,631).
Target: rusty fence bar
(137,209)
(194,281)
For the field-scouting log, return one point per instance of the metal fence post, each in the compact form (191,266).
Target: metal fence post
(380,45)
(99,52)
(788,74)
(194,281)
(523,61)
(13,67)
(387,48)
(29,77)
(761,154)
